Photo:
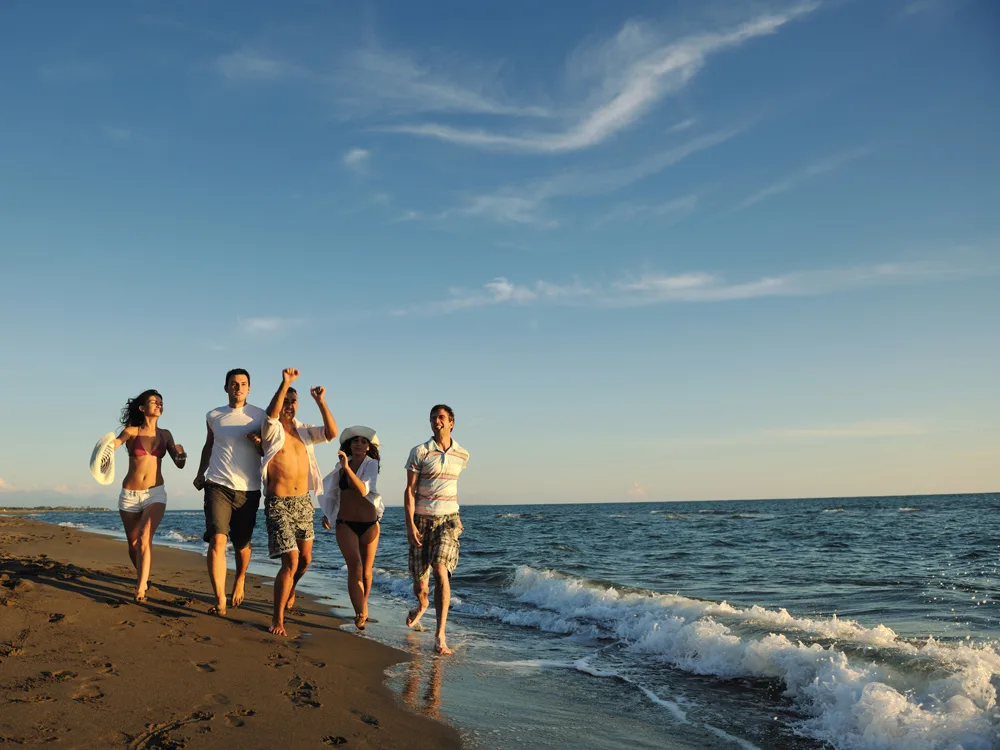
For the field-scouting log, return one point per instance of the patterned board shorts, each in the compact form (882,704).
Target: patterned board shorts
(439,544)
(289,520)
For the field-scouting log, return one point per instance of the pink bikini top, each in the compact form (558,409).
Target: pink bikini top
(159,451)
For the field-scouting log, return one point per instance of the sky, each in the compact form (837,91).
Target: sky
(646,250)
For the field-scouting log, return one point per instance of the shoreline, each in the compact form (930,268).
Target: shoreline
(80,662)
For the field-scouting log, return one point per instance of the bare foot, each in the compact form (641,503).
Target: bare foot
(218,609)
(278,628)
(441,647)
(238,593)
(413,617)
(140,595)
(359,621)
(290,604)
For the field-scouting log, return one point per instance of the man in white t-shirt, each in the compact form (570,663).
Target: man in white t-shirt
(230,475)
(433,526)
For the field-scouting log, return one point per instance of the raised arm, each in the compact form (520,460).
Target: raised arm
(345,466)
(288,376)
(206,454)
(175,450)
(409,505)
(329,423)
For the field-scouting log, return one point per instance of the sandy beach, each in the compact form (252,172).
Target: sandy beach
(84,666)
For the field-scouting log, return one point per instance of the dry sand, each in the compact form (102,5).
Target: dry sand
(83,666)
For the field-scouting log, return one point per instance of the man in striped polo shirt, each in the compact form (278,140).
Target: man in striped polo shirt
(432,521)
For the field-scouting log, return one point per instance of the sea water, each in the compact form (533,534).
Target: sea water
(856,623)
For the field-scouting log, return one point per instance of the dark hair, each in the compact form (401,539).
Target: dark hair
(131,415)
(292,390)
(372,449)
(237,371)
(451,412)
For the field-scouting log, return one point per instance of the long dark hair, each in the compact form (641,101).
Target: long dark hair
(372,450)
(131,415)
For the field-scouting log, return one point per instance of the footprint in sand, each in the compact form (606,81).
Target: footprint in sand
(56,617)
(33,699)
(334,740)
(277,660)
(303,694)
(205,666)
(88,694)
(367,719)
(314,663)
(235,717)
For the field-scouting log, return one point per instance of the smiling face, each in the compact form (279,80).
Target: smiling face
(291,405)
(153,407)
(359,447)
(441,423)
(238,388)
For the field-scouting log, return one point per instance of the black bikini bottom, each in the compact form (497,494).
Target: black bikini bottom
(358,527)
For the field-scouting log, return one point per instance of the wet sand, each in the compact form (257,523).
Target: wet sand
(84,666)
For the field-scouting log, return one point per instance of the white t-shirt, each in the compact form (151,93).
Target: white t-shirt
(235,462)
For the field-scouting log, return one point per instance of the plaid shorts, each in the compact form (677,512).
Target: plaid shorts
(439,544)
(289,520)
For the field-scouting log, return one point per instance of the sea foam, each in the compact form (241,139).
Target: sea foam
(898,694)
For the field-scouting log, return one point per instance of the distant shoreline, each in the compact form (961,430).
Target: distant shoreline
(51,509)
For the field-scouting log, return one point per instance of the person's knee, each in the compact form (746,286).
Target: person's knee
(305,559)
(218,543)
(289,561)
(421,587)
(441,573)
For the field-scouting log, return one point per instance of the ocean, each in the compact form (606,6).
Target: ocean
(861,623)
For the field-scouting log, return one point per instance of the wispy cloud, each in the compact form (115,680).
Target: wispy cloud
(269,325)
(669,211)
(867,429)
(825,166)
(357,160)
(117,134)
(5,486)
(530,203)
(634,73)
(248,66)
(373,80)
(932,7)
(697,286)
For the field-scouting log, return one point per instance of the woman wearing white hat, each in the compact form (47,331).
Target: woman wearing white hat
(351,503)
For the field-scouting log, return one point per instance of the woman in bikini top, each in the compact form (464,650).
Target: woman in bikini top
(357,519)
(143,499)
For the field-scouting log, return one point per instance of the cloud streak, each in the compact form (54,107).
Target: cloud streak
(867,429)
(374,81)
(247,66)
(794,180)
(634,75)
(694,287)
(268,325)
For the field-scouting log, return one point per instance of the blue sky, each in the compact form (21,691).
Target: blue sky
(646,250)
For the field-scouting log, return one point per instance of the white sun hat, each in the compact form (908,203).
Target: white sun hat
(102,459)
(359,430)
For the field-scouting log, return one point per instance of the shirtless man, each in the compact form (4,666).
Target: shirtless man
(289,472)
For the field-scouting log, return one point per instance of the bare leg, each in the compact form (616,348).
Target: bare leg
(350,549)
(131,523)
(368,545)
(217,571)
(305,560)
(442,600)
(149,520)
(282,587)
(421,587)
(239,584)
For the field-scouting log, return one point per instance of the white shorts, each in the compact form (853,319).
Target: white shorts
(136,501)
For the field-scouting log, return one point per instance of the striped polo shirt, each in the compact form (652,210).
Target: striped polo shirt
(438,470)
